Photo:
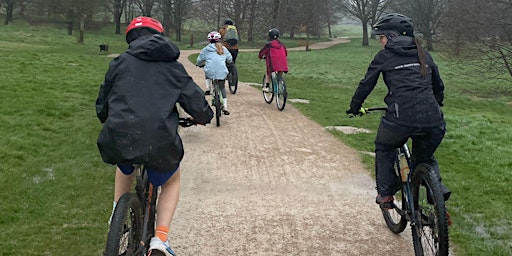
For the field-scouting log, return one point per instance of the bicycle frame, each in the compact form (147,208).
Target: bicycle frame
(147,194)
(410,215)
(275,86)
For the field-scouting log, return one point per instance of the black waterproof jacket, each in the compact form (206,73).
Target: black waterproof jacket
(412,100)
(137,104)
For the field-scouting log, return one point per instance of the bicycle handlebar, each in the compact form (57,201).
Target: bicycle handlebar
(368,110)
(364,111)
(186,122)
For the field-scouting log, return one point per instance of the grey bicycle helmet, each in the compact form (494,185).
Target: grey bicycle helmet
(394,23)
(273,33)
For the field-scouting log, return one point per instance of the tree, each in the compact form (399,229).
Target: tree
(119,6)
(366,11)
(487,25)
(426,16)
(9,11)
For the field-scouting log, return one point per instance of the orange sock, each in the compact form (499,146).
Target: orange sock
(161,232)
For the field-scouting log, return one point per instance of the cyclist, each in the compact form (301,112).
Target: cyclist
(275,54)
(214,57)
(232,47)
(414,100)
(137,106)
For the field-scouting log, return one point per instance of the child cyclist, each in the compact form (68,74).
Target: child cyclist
(275,54)
(414,100)
(214,57)
(137,106)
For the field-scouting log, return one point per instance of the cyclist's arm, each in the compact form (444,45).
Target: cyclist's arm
(229,57)
(201,59)
(102,100)
(367,84)
(263,51)
(192,99)
(437,84)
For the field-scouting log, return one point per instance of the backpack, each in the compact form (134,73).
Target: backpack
(231,36)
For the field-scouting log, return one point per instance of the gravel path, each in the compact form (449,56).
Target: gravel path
(275,183)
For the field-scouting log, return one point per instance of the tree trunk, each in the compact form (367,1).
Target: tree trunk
(365,33)
(82,28)
(70,18)
(9,9)
(252,15)
(117,16)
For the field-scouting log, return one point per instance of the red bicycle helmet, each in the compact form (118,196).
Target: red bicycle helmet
(145,22)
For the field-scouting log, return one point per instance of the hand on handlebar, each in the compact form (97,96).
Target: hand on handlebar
(356,112)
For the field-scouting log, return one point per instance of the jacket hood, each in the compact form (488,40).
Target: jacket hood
(154,48)
(402,45)
(211,48)
(276,44)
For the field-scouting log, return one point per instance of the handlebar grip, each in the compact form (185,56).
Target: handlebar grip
(186,122)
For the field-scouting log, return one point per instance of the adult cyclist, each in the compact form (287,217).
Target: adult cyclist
(414,100)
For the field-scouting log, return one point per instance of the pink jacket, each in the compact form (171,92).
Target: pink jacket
(275,54)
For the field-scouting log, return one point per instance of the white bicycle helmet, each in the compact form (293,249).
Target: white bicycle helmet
(214,37)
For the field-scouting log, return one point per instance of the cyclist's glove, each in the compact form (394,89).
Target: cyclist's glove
(356,112)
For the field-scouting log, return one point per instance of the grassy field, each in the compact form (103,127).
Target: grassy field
(56,192)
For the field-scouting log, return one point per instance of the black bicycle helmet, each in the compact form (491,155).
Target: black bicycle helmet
(273,34)
(394,23)
(228,21)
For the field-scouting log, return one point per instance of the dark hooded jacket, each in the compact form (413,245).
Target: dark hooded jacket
(137,104)
(412,100)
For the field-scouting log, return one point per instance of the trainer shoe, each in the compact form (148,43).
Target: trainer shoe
(225,112)
(159,248)
(266,89)
(207,92)
(385,202)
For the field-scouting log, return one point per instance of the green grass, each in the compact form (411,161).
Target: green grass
(56,192)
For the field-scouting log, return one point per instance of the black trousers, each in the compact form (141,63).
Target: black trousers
(390,136)
(234,54)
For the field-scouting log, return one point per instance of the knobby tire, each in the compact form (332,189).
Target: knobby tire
(232,78)
(430,234)
(395,218)
(217,104)
(126,227)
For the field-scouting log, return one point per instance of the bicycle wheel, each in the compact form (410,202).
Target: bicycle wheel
(282,94)
(232,78)
(268,96)
(430,233)
(217,103)
(395,218)
(126,227)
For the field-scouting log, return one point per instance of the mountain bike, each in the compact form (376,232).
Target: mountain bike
(133,222)
(232,77)
(278,89)
(420,202)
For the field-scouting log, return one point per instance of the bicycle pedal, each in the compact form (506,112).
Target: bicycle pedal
(387,206)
